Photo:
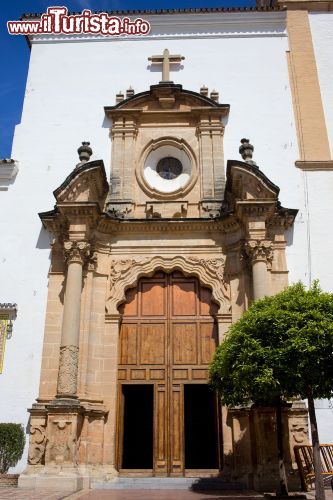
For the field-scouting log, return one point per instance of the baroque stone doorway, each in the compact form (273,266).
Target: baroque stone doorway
(167,338)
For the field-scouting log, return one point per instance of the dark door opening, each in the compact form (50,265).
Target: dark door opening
(201,433)
(138,427)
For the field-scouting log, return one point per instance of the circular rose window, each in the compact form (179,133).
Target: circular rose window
(169,168)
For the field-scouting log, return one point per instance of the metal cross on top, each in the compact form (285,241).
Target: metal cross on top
(166,59)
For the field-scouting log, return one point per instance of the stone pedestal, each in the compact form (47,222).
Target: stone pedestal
(66,444)
(253,457)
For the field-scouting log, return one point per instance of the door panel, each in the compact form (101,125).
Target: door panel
(184,298)
(153,301)
(167,338)
(176,431)
(207,341)
(184,343)
(152,343)
(128,344)
(161,430)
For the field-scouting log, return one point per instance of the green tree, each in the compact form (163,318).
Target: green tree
(12,441)
(281,348)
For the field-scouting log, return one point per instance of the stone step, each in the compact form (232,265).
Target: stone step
(168,483)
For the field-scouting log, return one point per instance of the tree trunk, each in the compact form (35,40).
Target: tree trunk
(283,487)
(319,482)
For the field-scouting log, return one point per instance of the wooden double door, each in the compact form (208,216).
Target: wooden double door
(168,417)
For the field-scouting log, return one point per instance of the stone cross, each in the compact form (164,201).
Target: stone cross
(166,59)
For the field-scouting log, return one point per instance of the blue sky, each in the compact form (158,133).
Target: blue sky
(14,53)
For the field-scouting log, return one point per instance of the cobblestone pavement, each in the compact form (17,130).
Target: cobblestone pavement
(175,495)
(166,495)
(26,494)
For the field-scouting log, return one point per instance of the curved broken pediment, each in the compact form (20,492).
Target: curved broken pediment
(247,182)
(86,183)
(167,96)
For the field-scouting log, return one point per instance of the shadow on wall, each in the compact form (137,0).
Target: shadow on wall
(252,461)
(290,233)
(44,240)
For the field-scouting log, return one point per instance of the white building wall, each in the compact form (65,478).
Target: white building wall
(321,24)
(68,85)
(319,190)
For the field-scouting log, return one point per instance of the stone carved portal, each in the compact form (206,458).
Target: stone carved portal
(210,271)
(167,338)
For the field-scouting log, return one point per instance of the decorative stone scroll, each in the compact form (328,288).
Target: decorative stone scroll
(37,444)
(260,250)
(76,251)
(125,273)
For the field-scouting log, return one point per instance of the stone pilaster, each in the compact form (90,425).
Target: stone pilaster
(210,132)
(112,322)
(124,133)
(223,323)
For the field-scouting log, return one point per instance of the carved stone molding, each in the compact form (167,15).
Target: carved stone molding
(92,262)
(68,366)
(37,444)
(259,250)
(125,273)
(76,251)
(62,444)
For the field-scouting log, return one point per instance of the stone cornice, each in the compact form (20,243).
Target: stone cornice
(314,165)
(309,5)
(226,224)
(211,24)
(8,171)
(56,221)
(284,217)
(158,12)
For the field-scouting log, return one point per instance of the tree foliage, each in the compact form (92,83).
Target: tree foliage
(281,346)
(12,441)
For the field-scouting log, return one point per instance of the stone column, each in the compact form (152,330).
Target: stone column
(260,253)
(75,252)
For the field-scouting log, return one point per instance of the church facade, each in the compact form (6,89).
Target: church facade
(158,250)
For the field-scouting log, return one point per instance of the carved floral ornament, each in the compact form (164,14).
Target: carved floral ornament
(67,377)
(76,251)
(258,250)
(125,273)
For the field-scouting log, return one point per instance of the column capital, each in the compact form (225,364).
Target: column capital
(76,251)
(259,250)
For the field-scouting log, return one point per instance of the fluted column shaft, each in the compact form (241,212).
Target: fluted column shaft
(76,252)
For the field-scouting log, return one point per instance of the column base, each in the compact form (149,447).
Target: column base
(62,478)
(65,401)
